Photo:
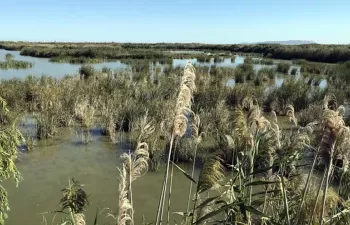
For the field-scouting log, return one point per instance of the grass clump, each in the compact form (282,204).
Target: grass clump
(244,72)
(283,67)
(86,71)
(293,71)
(10,63)
(270,73)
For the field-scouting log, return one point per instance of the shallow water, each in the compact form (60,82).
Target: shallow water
(46,171)
(42,66)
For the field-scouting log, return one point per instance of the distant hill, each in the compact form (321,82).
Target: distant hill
(289,42)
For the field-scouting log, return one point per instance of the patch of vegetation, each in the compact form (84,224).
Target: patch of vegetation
(86,71)
(293,71)
(10,63)
(283,67)
(310,52)
(80,60)
(270,73)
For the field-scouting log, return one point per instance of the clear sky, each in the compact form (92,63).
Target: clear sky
(216,21)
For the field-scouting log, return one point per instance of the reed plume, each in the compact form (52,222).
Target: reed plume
(334,140)
(124,202)
(291,115)
(210,177)
(211,174)
(134,166)
(197,138)
(183,107)
(79,219)
(248,124)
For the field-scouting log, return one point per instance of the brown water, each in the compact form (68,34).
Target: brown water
(46,171)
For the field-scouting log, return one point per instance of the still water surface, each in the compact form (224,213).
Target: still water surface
(46,171)
(42,66)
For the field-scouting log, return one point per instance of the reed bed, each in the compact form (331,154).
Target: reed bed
(255,170)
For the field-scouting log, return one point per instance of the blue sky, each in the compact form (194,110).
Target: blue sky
(220,21)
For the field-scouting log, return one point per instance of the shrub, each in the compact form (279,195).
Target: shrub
(248,60)
(270,73)
(86,71)
(283,67)
(293,71)
(310,114)
(218,59)
(106,70)
(244,71)
(294,92)
(266,61)
(9,57)
(257,81)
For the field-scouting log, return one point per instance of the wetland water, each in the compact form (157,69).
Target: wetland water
(46,170)
(42,66)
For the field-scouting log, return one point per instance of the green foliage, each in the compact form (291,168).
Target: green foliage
(244,72)
(316,68)
(263,61)
(74,198)
(311,114)
(260,160)
(10,139)
(293,71)
(106,70)
(266,61)
(341,74)
(311,52)
(294,92)
(14,64)
(9,57)
(257,81)
(218,59)
(283,67)
(248,60)
(73,60)
(86,71)
(270,73)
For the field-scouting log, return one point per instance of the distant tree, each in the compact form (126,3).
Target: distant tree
(9,57)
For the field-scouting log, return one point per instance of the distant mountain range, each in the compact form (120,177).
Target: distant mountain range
(289,42)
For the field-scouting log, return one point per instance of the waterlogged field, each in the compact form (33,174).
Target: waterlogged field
(228,139)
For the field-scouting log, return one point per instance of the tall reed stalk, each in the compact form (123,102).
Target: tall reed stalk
(182,108)
(328,174)
(134,166)
(197,137)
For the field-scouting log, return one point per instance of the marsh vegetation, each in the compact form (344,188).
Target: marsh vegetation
(266,153)
(11,63)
